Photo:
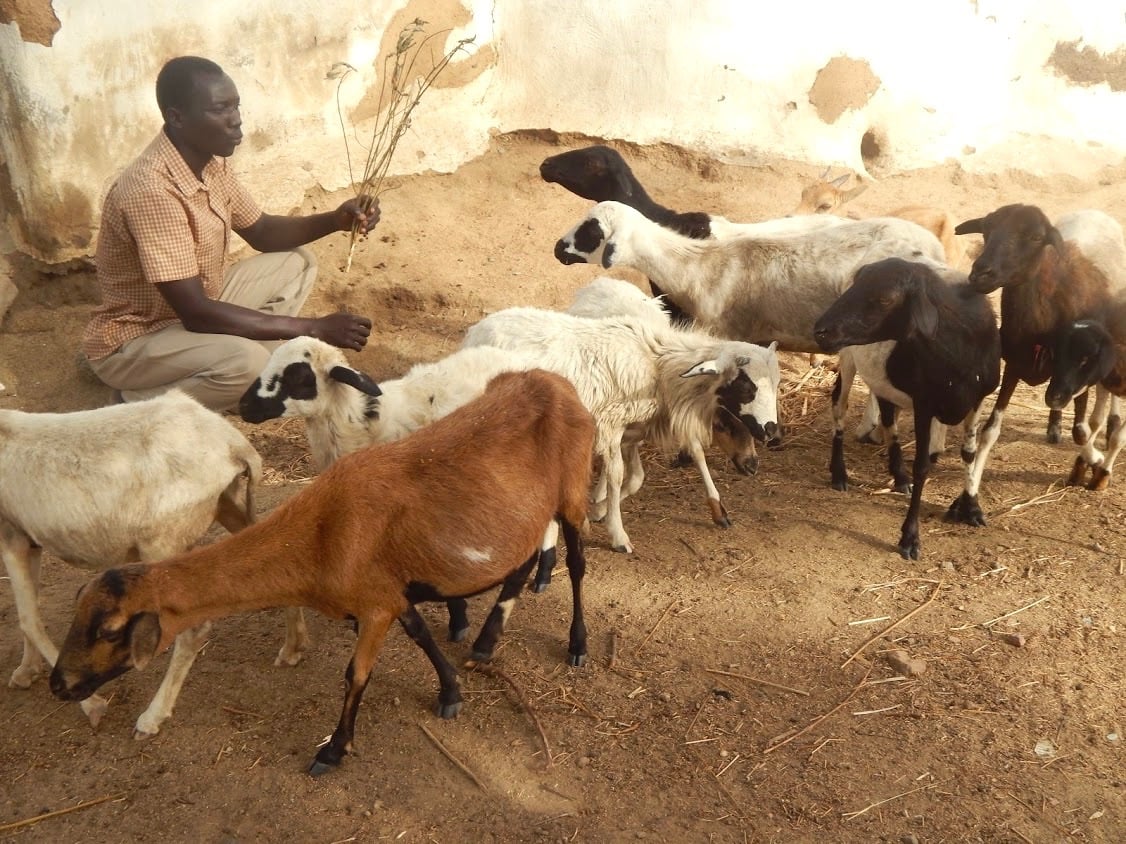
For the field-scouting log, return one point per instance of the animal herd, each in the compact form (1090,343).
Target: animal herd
(541,414)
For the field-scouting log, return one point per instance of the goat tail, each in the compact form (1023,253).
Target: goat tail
(252,470)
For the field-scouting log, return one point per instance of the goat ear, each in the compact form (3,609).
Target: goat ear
(773,345)
(144,637)
(852,193)
(922,315)
(624,183)
(1055,239)
(974,226)
(608,256)
(839,181)
(355,378)
(707,367)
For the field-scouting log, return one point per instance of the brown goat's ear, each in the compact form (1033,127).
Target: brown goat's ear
(974,226)
(839,181)
(355,378)
(1055,239)
(852,193)
(144,637)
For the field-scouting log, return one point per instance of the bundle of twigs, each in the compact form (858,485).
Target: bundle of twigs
(402,87)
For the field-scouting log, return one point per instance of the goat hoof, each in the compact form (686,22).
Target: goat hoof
(478,656)
(539,586)
(966,510)
(447,710)
(869,437)
(1053,436)
(1100,479)
(840,486)
(142,735)
(318,767)
(622,549)
(577,660)
(459,634)
(1080,434)
(909,550)
(934,457)
(746,467)
(774,444)
(22,679)
(903,487)
(681,461)
(1078,471)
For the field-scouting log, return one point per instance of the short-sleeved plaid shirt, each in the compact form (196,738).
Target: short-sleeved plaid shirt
(160,223)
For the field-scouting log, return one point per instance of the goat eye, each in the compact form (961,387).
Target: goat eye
(112,636)
(824,207)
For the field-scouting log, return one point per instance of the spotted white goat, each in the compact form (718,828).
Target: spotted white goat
(345,410)
(119,484)
(640,380)
(758,288)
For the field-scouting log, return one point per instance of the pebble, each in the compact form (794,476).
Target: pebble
(903,664)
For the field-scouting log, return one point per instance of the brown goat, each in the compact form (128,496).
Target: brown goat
(451,510)
(1047,282)
(827,197)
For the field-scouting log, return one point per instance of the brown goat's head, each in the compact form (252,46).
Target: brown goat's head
(825,197)
(105,639)
(1015,239)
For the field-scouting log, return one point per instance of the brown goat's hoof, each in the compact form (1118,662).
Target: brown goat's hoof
(1100,479)
(1078,472)
(459,635)
(577,660)
(538,587)
(446,711)
(1053,436)
(318,767)
(719,513)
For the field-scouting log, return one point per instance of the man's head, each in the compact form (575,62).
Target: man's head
(200,104)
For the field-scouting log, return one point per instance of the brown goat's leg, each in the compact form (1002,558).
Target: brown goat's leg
(372,631)
(576,569)
(1079,428)
(449,691)
(494,625)
(547,557)
(458,611)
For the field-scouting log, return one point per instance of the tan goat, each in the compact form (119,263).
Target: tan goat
(827,197)
(451,510)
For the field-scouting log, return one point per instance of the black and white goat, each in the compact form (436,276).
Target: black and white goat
(946,358)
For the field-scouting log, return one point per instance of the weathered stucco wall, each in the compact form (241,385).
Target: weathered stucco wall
(1037,84)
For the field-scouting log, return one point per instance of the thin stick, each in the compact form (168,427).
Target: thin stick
(850,815)
(938,584)
(453,758)
(692,723)
(493,671)
(820,718)
(756,680)
(1020,835)
(613,649)
(1003,617)
(84,805)
(664,615)
(868,620)
(878,711)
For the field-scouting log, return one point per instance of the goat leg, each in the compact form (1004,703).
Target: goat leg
(449,689)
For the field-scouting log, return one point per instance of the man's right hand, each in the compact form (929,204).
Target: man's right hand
(343,330)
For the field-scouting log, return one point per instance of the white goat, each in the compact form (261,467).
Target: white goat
(344,410)
(125,483)
(749,287)
(640,380)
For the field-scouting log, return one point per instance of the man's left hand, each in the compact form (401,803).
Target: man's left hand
(351,213)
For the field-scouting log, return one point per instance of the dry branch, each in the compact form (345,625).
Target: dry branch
(820,718)
(461,766)
(937,586)
(493,671)
(83,805)
(757,681)
(401,90)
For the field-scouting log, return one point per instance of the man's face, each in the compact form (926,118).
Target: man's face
(211,123)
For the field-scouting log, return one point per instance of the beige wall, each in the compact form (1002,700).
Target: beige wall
(993,83)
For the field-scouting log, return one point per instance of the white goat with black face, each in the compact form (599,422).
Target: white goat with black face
(641,381)
(345,410)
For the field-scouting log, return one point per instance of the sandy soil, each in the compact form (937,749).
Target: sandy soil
(669,742)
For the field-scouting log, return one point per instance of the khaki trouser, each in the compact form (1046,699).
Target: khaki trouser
(215,369)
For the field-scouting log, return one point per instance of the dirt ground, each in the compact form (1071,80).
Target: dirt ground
(672,731)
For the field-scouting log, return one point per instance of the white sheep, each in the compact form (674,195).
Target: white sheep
(125,483)
(345,410)
(605,296)
(639,380)
(758,288)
